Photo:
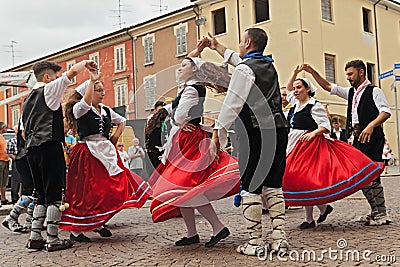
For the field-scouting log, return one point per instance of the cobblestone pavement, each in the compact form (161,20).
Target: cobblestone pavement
(136,241)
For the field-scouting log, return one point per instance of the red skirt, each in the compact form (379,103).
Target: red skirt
(190,177)
(325,170)
(94,196)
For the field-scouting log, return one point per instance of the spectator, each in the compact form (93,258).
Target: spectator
(155,133)
(69,143)
(136,155)
(386,154)
(337,132)
(3,165)
(123,155)
(12,151)
(285,103)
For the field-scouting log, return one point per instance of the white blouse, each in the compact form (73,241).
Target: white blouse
(100,147)
(318,113)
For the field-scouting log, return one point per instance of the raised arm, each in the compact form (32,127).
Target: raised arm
(201,44)
(88,96)
(215,45)
(80,66)
(289,85)
(317,77)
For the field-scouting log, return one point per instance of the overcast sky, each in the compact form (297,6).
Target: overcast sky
(42,27)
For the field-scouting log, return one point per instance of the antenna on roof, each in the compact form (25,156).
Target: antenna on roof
(119,11)
(161,7)
(12,51)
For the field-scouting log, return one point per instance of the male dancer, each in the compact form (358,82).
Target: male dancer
(254,101)
(42,119)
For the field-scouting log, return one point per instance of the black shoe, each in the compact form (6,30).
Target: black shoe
(15,227)
(306,225)
(58,245)
(323,216)
(5,202)
(224,233)
(188,241)
(103,232)
(80,238)
(35,244)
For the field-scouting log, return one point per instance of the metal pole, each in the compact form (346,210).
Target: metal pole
(397,122)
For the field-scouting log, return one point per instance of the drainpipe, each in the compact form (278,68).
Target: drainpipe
(301,33)
(376,41)
(196,10)
(238,19)
(134,71)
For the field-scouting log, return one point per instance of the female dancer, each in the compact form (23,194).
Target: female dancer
(98,183)
(319,170)
(190,177)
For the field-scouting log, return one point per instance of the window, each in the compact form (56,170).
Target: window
(69,66)
(148,43)
(121,94)
(326,8)
(371,72)
(330,68)
(94,57)
(15,112)
(14,90)
(180,33)
(262,10)
(150,91)
(219,21)
(119,58)
(366,20)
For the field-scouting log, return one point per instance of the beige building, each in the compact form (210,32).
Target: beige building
(323,33)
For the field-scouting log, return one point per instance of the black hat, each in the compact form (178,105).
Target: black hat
(158,104)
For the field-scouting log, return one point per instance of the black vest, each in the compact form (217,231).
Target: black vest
(41,124)
(263,107)
(196,112)
(366,110)
(20,145)
(302,120)
(91,123)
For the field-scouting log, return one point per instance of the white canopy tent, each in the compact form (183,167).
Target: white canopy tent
(14,79)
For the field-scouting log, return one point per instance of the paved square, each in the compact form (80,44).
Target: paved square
(136,241)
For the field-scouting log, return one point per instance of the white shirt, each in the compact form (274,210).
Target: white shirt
(124,155)
(189,98)
(380,100)
(337,133)
(99,146)
(241,82)
(53,92)
(135,163)
(81,108)
(318,113)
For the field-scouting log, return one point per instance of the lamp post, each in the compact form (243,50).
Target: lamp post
(397,121)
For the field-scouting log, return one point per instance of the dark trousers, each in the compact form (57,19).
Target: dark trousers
(15,183)
(373,149)
(48,167)
(25,174)
(262,157)
(152,161)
